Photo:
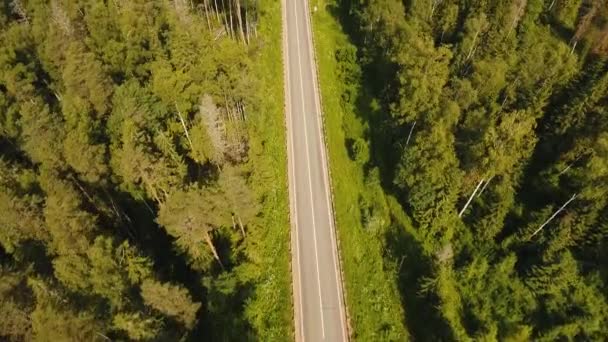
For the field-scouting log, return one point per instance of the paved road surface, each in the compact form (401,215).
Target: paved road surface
(318,298)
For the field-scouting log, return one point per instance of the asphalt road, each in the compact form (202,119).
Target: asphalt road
(318,298)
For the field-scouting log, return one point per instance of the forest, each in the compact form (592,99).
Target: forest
(142,172)
(481,132)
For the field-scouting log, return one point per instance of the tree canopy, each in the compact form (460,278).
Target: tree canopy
(488,124)
(125,171)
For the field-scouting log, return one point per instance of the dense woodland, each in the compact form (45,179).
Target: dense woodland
(126,205)
(489,123)
(136,181)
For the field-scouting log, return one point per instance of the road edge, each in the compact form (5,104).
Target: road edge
(327,169)
(288,143)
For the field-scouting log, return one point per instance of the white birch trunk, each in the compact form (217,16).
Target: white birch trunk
(212,248)
(553,216)
(410,135)
(241,226)
(472,46)
(470,198)
(483,188)
(184,126)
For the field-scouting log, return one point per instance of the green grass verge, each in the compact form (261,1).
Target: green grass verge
(373,299)
(269,310)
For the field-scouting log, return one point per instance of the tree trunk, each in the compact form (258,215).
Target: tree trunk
(470,198)
(231,21)
(212,247)
(255,22)
(205,5)
(239,18)
(228,114)
(433,5)
(553,216)
(483,188)
(184,126)
(217,13)
(225,18)
(472,46)
(247,26)
(410,135)
(573,46)
(569,166)
(241,226)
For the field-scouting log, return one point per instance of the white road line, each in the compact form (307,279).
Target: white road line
(314,228)
(292,171)
(325,173)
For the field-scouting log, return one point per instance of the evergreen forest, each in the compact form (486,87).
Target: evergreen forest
(480,131)
(143,187)
(142,179)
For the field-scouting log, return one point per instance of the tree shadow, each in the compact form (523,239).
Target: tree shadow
(540,186)
(222,294)
(226,294)
(379,133)
(224,317)
(423,321)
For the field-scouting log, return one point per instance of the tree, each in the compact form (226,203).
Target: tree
(137,327)
(15,306)
(422,73)
(20,212)
(142,153)
(84,103)
(106,270)
(215,130)
(42,133)
(171,300)
(239,199)
(53,320)
(108,110)
(428,173)
(191,215)
(71,228)
(107,277)
(570,301)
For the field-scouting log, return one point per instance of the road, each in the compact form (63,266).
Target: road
(318,297)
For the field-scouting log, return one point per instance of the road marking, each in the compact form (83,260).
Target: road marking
(312,208)
(325,173)
(292,171)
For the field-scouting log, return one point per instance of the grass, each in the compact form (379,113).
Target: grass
(372,293)
(269,310)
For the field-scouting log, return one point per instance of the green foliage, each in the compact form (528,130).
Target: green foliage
(137,327)
(171,300)
(53,320)
(115,117)
(361,209)
(20,212)
(567,11)
(360,151)
(190,216)
(16,324)
(483,118)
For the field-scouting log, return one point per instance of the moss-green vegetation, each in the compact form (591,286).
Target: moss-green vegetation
(362,213)
(270,308)
(143,172)
(489,132)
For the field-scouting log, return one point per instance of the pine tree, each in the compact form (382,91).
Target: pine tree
(191,216)
(171,300)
